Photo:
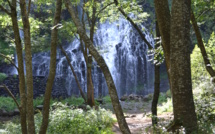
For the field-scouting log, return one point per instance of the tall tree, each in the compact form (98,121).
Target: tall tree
(110,83)
(163,19)
(13,14)
(28,66)
(181,84)
(156,82)
(52,70)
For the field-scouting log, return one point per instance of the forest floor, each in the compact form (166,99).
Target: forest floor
(138,117)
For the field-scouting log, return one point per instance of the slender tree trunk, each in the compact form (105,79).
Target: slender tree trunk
(20,69)
(90,88)
(156,85)
(201,46)
(133,24)
(52,69)
(110,83)
(163,19)
(29,73)
(73,71)
(181,84)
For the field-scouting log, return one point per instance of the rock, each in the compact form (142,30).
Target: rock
(100,101)
(16,112)
(124,98)
(133,116)
(3,112)
(39,107)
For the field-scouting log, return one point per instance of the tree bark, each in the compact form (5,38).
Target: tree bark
(110,83)
(52,70)
(20,68)
(201,46)
(156,85)
(73,71)
(29,73)
(90,88)
(163,19)
(181,84)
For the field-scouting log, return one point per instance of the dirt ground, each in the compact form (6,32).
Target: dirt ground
(138,117)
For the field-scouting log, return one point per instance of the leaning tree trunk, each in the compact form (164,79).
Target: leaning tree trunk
(163,19)
(28,64)
(20,69)
(181,84)
(73,71)
(201,46)
(156,85)
(52,69)
(110,83)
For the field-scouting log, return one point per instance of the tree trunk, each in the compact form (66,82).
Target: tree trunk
(181,84)
(110,83)
(90,89)
(20,69)
(52,69)
(29,73)
(156,85)
(201,46)
(73,71)
(163,19)
(133,24)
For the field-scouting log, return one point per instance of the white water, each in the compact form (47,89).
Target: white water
(124,52)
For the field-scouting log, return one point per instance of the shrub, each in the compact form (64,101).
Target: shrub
(65,120)
(2,76)
(7,104)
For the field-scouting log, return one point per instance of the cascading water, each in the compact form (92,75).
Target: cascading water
(124,52)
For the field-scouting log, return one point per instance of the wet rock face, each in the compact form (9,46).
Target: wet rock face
(39,85)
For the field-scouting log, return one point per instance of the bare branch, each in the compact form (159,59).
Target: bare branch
(5,10)
(9,61)
(29,6)
(11,95)
(104,8)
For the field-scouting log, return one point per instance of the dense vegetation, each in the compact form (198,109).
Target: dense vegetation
(28,28)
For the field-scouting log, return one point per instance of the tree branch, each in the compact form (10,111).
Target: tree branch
(104,8)
(4,56)
(29,6)
(133,24)
(11,95)
(5,10)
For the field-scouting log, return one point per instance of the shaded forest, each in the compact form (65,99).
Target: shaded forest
(107,66)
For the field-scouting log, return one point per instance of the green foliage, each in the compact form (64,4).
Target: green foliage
(199,72)
(73,101)
(162,98)
(107,99)
(2,76)
(64,120)
(166,106)
(205,106)
(7,104)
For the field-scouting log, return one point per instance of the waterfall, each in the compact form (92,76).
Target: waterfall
(124,52)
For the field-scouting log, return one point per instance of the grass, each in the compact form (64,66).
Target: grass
(9,105)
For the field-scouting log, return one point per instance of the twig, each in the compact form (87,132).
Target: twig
(5,10)
(104,8)
(10,61)
(11,95)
